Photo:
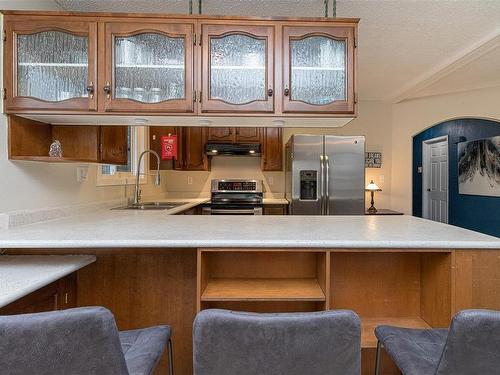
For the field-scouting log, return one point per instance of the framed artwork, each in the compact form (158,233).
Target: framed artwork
(479,167)
(373,160)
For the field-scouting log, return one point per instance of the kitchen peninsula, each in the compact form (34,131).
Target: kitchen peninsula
(156,268)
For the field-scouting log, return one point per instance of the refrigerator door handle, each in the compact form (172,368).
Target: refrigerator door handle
(322,185)
(327,186)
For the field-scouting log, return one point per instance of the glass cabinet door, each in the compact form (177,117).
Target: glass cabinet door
(318,69)
(53,66)
(149,67)
(237,68)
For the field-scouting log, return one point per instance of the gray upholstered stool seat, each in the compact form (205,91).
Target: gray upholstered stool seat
(238,343)
(142,348)
(469,347)
(414,351)
(81,341)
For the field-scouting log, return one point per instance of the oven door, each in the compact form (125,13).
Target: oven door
(231,210)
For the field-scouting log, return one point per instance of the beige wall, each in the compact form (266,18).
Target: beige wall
(411,117)
(374,121)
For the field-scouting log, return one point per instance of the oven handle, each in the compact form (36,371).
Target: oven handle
(208,211)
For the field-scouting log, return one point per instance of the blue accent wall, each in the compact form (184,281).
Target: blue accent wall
(479,213)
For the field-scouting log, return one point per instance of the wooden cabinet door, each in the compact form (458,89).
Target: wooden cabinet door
(318,69)
(114,145)
(274,209)
(250,135)
(155,134)
(58,295)
(237,68)
(195,158)
(217,134)
(272,149)
(149,67)
(50,65)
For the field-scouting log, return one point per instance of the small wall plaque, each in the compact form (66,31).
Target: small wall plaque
(373,160)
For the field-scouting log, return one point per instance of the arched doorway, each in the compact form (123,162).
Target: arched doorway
(476,212)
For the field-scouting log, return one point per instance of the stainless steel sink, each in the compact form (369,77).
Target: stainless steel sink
(152,206)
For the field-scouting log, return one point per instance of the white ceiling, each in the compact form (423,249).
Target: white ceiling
(405,46)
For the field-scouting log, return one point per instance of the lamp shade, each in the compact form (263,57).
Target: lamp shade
(372,186)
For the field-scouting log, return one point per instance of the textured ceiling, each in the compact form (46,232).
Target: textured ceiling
(401,42)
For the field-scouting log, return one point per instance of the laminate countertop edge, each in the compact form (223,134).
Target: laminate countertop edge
(21,275)
(126,229)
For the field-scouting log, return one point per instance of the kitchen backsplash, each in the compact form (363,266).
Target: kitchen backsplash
(198,183)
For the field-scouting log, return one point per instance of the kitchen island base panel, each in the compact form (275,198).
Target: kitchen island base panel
(405,287)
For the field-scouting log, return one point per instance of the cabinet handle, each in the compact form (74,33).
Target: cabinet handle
(287,91)
(107,90)
(90,90)
(270,92)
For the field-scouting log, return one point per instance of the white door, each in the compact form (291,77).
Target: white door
(435,179)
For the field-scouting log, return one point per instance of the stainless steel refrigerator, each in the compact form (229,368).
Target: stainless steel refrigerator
(325,175)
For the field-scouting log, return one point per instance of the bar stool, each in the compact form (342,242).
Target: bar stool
(470,346)
(78,341)
(316,343)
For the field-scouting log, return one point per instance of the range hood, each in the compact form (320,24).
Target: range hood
(232,149)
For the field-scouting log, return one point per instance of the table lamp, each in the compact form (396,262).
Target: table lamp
(372,188)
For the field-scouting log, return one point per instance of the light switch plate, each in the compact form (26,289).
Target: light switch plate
(82,173)
(190,180)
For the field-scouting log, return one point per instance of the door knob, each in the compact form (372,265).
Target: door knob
(287,91)
(270,92)
(428,189)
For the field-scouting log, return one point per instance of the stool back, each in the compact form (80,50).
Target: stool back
(74,341)
(317,343)
(472,345)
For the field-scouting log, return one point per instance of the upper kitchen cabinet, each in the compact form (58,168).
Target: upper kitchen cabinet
(148,67)
(233,135)
(104,68)
(318,69)
(49,65)
(237,68)
(272,149)
(244,135)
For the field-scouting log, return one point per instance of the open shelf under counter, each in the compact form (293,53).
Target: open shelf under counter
(368,325)
(263,289)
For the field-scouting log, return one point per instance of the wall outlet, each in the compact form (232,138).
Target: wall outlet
(381,178)
(190,180)
(82,173)
(270,180)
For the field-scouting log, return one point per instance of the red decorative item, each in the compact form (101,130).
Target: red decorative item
(168,147)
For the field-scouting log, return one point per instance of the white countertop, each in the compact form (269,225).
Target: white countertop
(22,274)
(125,228)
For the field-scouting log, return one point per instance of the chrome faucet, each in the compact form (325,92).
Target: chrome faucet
(137,192)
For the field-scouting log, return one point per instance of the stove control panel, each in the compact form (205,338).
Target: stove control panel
(236,185)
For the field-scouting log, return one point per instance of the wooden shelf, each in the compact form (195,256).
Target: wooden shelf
(260,289)
(368,325)
(49,159)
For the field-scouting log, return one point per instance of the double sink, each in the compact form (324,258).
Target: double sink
(146,206)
